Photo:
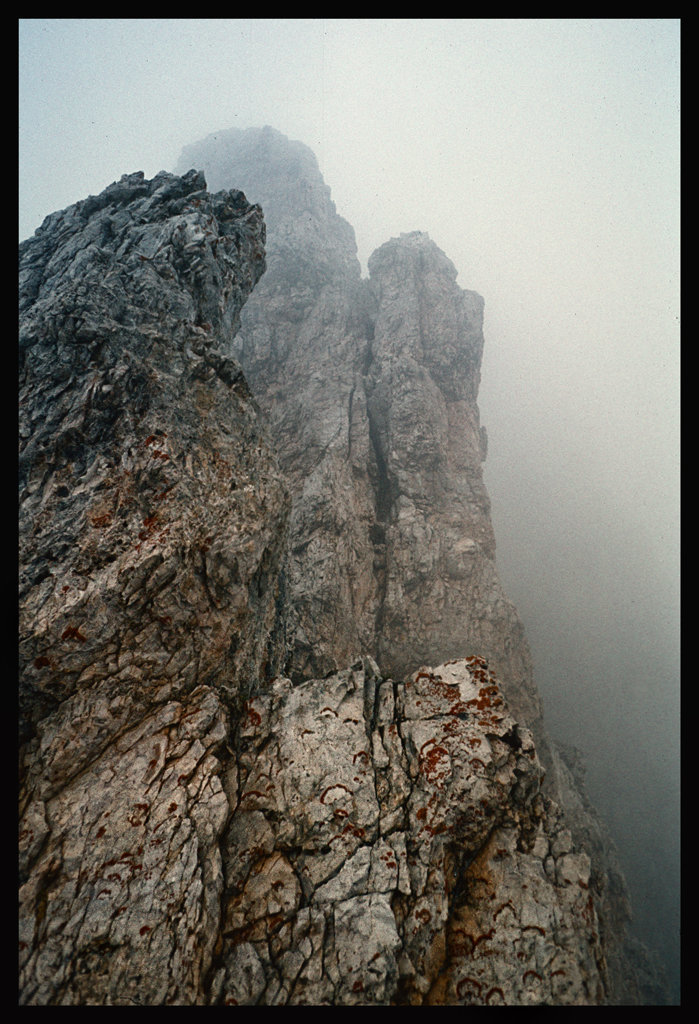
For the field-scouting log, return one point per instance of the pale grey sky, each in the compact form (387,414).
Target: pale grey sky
(543,157)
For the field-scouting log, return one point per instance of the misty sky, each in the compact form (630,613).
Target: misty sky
(543,157)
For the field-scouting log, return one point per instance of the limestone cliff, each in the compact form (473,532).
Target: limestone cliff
(221,790)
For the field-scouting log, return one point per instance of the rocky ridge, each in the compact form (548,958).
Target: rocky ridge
(204,819)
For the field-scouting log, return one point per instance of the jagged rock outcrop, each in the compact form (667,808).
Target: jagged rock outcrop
(213,810)
(142,456)
(441,586)
(304,350)
(152,529)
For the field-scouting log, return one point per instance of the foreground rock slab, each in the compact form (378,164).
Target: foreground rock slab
(390,844)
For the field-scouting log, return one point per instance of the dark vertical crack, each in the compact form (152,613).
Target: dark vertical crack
(349,423)
(379,475)
(383,489)
(377,531)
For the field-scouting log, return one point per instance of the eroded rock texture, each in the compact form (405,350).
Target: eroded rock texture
(391,844)
(304,349)
(152,526)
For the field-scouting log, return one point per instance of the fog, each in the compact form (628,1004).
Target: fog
(543,157)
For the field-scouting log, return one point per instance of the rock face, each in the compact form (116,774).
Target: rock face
(152,527)
(142,457)
(214,808)
(305,349)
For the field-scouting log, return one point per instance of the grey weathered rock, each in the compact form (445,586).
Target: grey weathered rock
(441,596)
(152,529)
(304,348)
(122,868)
(370,388)
(151,507)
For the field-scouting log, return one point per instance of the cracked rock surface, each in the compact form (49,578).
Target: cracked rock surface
(370,387)
(390,843)
(123,869)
